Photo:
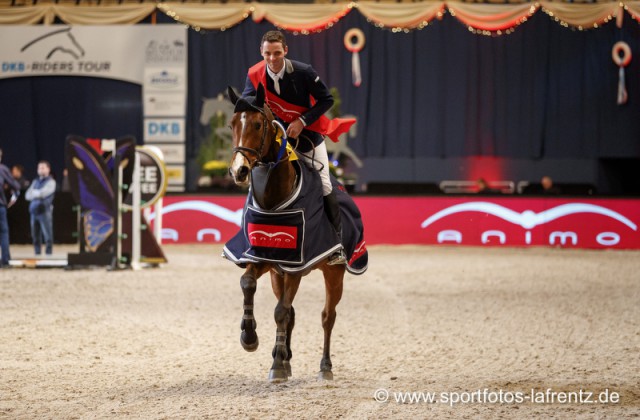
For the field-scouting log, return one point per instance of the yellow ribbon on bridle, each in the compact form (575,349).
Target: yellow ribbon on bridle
(280,133)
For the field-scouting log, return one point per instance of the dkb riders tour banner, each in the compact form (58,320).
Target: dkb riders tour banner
(115,52)
(154,56)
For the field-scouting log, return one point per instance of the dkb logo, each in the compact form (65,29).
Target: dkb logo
(163,128)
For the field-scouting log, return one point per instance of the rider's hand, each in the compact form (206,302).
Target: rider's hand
(295,128)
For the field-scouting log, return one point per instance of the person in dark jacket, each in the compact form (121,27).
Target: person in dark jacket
(548,187)
(14,188)
(18,173)
(41,194)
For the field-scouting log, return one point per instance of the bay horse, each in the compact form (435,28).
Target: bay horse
(256,151)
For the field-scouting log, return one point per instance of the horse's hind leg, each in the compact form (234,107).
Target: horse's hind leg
(283,315)
(249,283)
(333,280)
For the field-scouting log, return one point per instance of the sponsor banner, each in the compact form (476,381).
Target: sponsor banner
(172,153)
(175,188)
(197,219)
(162,104)
(123,52)
(153,178)
(165,79)
(170,130)
(521,222)
(175,174)
(570,223)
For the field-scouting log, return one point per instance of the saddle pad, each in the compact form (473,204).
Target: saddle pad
(275,236)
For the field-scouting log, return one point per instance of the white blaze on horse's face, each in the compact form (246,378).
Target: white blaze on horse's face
(240,165)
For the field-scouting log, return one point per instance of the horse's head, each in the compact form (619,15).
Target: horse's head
(253,133)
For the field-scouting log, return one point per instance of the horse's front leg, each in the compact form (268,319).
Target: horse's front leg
(333,280)
(277,284)
(249,283)
(286,287)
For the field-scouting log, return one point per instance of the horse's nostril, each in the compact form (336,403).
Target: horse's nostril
(243,171)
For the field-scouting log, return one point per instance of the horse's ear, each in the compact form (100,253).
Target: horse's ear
(259,102)
(232,95)
(268,113)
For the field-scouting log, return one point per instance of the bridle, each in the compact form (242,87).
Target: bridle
(259,153)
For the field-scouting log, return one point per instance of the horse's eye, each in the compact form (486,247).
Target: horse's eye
(257,125)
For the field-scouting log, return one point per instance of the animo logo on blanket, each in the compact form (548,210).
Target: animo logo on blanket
(272,236)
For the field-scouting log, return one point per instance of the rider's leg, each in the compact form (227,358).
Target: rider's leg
(331,206)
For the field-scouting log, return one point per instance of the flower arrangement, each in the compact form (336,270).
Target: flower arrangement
(215,168)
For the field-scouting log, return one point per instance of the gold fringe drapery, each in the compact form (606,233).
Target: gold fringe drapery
(587,16)
(633,7)
(26,15)
(76,15)
(198,16)
(111,14)
(303,18)
(408,16)
(306,18)
(491,17)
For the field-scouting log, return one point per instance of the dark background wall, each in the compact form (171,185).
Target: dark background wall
(438,103)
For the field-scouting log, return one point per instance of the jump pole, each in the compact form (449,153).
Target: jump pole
(109,145)
(135,218)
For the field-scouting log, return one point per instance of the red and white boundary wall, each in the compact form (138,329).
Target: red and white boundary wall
(480,221)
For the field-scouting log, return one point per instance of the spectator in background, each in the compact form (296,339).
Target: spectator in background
(64,185)
(547,186)
(18,173)
(14,188)
(41,193)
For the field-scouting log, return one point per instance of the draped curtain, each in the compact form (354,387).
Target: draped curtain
(306,18)
(432,85)
(547,92)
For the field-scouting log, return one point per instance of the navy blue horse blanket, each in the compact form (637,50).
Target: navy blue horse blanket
(297,234)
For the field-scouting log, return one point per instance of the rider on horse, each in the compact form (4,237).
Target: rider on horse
(299,99)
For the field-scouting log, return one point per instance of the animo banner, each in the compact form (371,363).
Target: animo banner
(442,221)
(120,52)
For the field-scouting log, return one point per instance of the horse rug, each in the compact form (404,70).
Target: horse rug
(297,234)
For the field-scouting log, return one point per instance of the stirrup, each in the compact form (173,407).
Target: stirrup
(337,258)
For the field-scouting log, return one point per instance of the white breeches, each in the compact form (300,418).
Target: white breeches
(321,163)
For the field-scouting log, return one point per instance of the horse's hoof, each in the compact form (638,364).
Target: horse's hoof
(325,375)
(277,376)
(243,325)
(287,367)
(250,347)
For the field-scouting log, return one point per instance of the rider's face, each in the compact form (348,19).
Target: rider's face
(274,53)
